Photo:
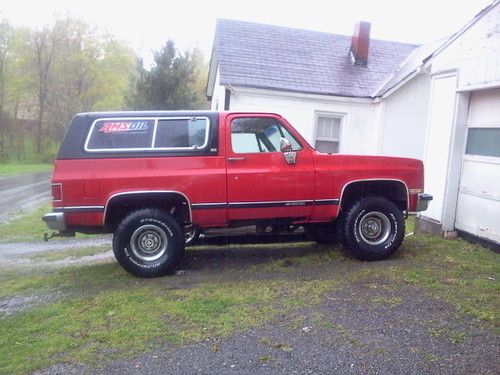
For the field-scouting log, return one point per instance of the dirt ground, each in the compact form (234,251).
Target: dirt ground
(367,326)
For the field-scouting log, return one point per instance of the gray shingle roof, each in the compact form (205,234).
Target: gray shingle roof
(281,58)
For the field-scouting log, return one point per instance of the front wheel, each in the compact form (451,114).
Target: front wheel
(148,243)
(373,228)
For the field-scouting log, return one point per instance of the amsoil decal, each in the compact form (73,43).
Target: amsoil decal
(124,126)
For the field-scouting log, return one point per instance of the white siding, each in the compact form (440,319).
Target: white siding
(476,53)
(404,120)
(440,129)
(301,110)
(218,95)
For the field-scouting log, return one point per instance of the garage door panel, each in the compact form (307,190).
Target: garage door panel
(484,108)
(481,178)
(478,205)
(478,216)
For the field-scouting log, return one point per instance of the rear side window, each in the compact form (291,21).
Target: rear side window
(181,134)
(148,134)
(121,134)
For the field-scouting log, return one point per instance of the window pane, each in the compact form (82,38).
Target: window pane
(327,147)
(328,127)
(181,133)
(295,145)
(121,134)
(259,134)
(243,143)
(483,141)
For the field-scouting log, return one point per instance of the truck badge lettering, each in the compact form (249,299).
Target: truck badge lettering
(124,126)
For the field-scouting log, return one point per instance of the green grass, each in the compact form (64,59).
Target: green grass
(28,228)
(15,169)
(410,224)
(76,253)
(459,272)
(107,313)
(121,321)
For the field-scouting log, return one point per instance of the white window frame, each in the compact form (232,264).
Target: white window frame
(336,115)
(155,127)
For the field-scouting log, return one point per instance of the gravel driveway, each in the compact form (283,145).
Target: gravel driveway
(346,334)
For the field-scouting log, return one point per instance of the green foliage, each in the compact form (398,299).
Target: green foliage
(49,74)
(172,83)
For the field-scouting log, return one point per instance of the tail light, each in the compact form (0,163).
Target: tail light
(57,192)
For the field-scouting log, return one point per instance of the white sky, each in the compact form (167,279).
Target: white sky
(147,24)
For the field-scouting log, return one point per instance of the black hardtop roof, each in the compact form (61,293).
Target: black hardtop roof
(145,114)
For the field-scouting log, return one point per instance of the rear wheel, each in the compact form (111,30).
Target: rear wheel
(372,228)
(322,233)
(148,243)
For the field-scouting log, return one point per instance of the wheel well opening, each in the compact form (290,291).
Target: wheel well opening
(395,191)
(120,206)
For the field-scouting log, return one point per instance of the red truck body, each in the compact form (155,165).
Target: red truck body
(219,187)
(312,187)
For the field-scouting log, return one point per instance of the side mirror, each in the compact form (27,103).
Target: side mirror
(286,148)
(285,145)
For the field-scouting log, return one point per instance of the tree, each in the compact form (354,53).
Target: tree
(46,43)
(5,51)
(93,74)
(77,69)
(48,75)
(172,83)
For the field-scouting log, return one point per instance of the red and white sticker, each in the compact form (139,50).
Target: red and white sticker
(124,126)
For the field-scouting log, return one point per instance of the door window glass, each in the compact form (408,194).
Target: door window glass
(259,134)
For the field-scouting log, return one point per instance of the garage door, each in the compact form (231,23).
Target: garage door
(478,206)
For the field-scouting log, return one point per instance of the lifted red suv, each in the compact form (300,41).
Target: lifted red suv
(150,177)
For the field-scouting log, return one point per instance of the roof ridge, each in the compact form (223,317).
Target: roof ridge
(309,31)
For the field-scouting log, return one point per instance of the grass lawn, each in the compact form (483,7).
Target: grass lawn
(28,228)
(14,169)
(106,313)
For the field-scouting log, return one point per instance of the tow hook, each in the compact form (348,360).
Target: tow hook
(47,237)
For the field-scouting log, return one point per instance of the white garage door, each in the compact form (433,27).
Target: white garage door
(478,208)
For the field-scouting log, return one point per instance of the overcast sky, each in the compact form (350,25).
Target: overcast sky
(147,24)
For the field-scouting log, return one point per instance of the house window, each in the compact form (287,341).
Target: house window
(328,130)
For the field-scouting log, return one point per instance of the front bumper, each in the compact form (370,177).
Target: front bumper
(423,202)
(55,221)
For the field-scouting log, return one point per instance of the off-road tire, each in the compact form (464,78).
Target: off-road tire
(148,243)
(372,228)
(322,233)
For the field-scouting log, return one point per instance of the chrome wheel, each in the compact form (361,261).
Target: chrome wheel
(149,242)
(374,228)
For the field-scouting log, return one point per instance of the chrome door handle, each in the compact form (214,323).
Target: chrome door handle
(235,159)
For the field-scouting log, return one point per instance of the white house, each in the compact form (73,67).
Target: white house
(462,148)
(361,96)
